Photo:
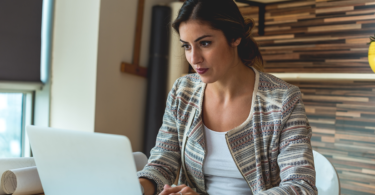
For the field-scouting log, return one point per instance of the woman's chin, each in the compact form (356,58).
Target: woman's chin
(207,79)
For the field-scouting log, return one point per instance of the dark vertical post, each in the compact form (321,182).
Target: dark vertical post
(261,21)
(157,75)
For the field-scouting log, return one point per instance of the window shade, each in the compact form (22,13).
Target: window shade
(20,40)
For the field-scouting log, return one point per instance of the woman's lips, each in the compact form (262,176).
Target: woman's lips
(201,70)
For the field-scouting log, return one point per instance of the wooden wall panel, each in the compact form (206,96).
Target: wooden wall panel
(306,36)
(328,36)
(342,116)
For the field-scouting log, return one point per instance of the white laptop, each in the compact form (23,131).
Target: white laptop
(81,163)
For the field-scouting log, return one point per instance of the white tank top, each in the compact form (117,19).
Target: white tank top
(220,172)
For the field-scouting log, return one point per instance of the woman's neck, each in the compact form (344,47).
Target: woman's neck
(238,82)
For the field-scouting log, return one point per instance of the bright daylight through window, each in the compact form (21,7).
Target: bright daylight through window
(11,105)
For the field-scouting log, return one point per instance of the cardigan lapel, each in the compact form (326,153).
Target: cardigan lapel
(196,130)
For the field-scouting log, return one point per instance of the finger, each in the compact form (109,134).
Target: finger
(172,190)
(186,190)
(166,186)
(163,193)
(184,193)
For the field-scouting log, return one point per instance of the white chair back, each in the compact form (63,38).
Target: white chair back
(140,160)
(327,180)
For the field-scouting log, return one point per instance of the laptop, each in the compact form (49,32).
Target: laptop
(81,163)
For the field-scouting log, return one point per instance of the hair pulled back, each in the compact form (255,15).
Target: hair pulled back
(224,15)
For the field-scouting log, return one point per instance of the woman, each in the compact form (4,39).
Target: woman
(240,131)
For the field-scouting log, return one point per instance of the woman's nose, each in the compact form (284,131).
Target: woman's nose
(196,57)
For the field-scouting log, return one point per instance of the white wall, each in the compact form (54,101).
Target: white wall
(89,93)
(121,97)
(74,64)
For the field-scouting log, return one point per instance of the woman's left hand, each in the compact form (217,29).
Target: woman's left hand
(178,190)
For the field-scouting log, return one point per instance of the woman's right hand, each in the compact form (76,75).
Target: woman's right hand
(148,186)
(178,190)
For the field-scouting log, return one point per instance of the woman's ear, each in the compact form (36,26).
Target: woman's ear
(236,42)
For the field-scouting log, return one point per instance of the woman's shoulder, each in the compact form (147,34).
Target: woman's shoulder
(188,82)
(271,83)
(272,87)
(190,79)
(187,88)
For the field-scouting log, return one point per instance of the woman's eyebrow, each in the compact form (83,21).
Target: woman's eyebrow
(204,36)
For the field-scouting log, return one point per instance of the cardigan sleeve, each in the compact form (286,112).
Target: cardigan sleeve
(295,159)
(165,157)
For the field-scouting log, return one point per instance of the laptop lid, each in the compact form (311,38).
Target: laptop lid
(75,162)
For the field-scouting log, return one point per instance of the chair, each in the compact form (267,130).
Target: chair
(327,180)
(140,160)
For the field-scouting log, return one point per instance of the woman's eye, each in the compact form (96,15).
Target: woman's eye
(185,46)
(205,43)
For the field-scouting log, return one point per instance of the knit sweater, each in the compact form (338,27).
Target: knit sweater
(271,148)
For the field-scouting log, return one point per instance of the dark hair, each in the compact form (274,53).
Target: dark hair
(224,15)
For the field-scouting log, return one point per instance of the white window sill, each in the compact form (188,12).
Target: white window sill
(20,86)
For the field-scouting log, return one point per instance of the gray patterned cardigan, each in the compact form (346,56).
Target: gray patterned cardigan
(271,148)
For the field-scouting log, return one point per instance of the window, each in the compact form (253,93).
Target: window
(10,124)
(14,115)
(24,71)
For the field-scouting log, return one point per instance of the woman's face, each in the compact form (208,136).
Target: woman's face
(207,50)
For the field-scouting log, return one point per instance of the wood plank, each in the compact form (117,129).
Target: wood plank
(296,4)
(249,10)
(322,121)
(362,11)
(366,22)
(281,22)
(286,11)
(276,52)
(334,9)
(261,38)
(350,18)
(366,138)
(343,3)
(356,177)
(356,149)
(281,57)
(328,139)
(369,171)
(291,31)
(292,16)
(334,27)
(309,39)
(335,98)
(346,60)
(285,71)
(361,40)
(350,114)
(316,46)
(354,159)
(356,188)
(368,121)
(322,52)
(277,28)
